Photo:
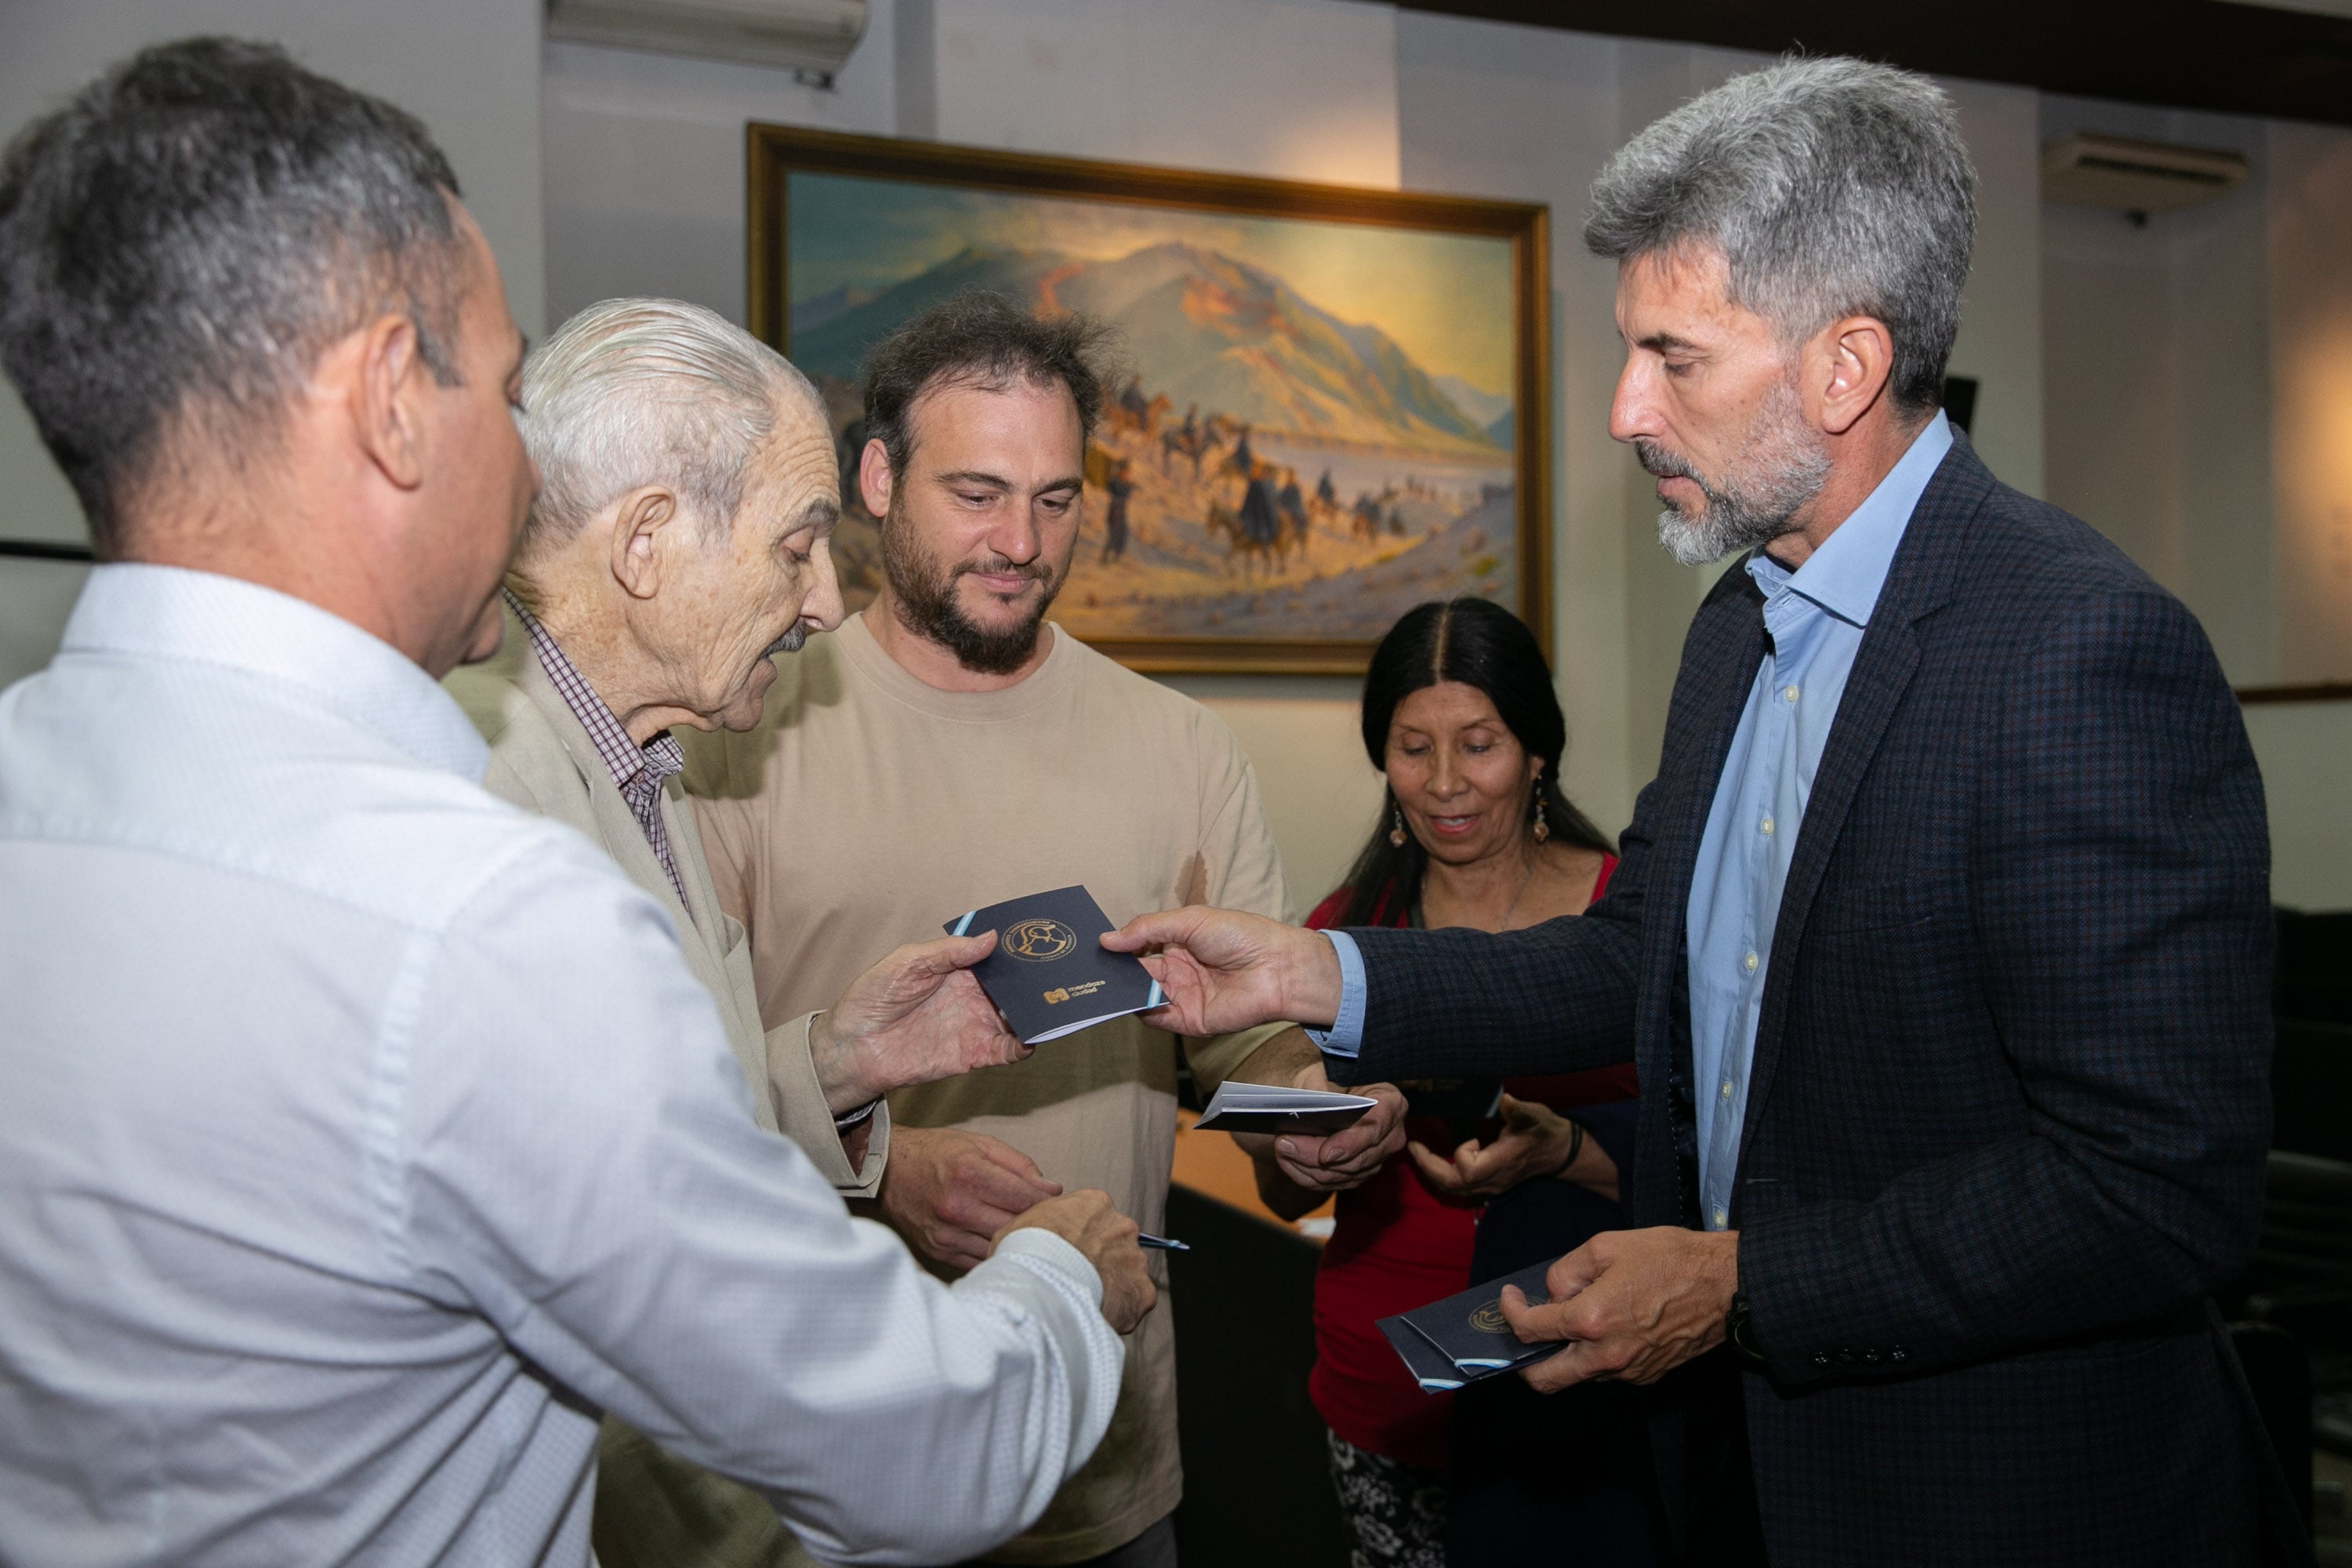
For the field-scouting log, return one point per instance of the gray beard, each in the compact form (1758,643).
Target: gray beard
(1780,466)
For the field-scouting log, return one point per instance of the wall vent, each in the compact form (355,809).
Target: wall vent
(2137,177)
(810,36)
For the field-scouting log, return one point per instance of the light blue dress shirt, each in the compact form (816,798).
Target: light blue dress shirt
(362,1137)
(1815,617)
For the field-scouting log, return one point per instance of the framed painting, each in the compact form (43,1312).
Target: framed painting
(1329,405)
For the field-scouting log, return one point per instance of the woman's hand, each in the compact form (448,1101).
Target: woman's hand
(1275,1190)
(1536,1143)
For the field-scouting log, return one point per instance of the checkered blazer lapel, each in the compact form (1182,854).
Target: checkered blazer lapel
(1921,579)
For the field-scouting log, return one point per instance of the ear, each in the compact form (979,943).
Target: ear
(1855,356)
(642,537)
(385,385)
(874,477)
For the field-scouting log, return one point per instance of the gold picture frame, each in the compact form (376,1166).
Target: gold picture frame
(1311,591)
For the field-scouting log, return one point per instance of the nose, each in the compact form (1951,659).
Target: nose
(1446,779)
(1633,411)
(822,610)
(1016,536)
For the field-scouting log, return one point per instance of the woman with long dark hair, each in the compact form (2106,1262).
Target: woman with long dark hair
(1460,715)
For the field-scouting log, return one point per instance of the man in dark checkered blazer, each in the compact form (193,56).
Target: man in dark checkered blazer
(1941,938)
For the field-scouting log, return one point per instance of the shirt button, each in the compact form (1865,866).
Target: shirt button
(1720,1219)
(1788,694)
(1766,826)
(1727,1088)
(1748,963)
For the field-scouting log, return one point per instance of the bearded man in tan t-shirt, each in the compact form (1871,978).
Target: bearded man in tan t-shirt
(948,748)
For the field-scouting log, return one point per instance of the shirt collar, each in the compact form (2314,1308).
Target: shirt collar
(172,612)
(624,758)
(1846,574)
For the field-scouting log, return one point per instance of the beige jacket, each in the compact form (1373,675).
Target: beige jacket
(654,1509)
(542,760)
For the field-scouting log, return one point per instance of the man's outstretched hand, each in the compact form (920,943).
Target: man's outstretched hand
(915,1017)
(1222,970)
(1633,1304)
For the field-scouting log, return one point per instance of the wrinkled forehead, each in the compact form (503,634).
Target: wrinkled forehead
(795,472)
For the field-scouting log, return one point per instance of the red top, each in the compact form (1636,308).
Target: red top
(1397,1246)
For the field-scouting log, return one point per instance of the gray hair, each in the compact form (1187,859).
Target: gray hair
(1832,187)
(641,392)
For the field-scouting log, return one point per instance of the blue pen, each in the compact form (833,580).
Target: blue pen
(1160,1243)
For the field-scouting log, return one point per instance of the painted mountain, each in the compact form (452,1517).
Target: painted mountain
(1484,406)
(1202,329)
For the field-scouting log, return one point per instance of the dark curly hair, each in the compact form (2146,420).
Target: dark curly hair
(984,340)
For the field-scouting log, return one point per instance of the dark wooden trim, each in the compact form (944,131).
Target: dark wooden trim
(773,152)
(2323,691)
(43,549)
(2185,53)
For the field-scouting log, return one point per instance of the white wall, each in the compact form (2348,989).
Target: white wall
(2198,377)
(2306,748)
(469,68)
(2310,256)
(2156,370)
(644,194)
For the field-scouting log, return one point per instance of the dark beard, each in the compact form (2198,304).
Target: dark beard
(927,604)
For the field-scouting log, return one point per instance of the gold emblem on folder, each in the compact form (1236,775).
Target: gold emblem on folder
(1058,994)
(1039,940)
(1488,1318)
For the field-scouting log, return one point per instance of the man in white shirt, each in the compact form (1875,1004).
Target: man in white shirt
(339,1193)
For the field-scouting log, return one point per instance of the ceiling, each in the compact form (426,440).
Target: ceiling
(2234,58)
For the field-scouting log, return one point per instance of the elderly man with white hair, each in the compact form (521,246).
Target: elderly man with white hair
(679,542)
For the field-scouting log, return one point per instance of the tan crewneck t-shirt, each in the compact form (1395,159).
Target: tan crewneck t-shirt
(869,808)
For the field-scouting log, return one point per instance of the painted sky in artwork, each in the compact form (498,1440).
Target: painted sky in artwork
(1435,294)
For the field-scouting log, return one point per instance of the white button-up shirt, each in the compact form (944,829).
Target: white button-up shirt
(363,1137)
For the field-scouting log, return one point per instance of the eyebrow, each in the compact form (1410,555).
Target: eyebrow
(1666,343)
(819,512)
(975,477)
(998,482)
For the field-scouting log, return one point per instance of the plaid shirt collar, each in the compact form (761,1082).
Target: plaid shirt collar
(639,771)
(628,762)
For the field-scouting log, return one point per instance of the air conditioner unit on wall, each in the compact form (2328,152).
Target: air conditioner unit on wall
(2137,177)
(810,36)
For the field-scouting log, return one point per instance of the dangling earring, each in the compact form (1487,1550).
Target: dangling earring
(1396,832)
(1543,816)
